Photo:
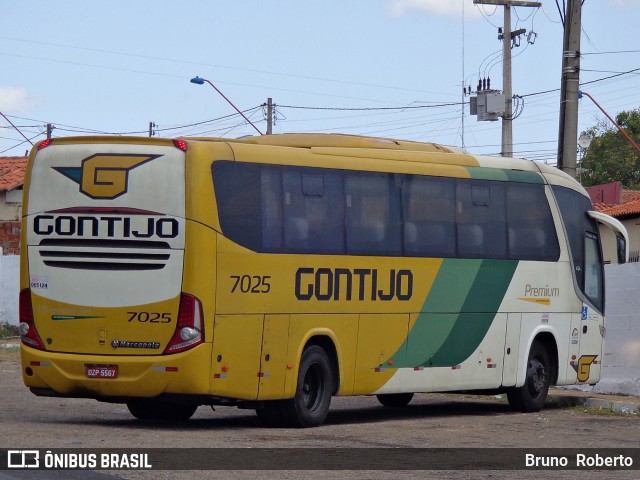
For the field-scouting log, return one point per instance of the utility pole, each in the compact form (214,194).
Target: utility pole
(49,130)
(507,120)
(507,90)
(152,125)
(568,129)
(269,116)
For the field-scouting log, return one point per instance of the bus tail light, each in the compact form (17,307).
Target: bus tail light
(190,328)
(45,143)
(28,333)
(180,144)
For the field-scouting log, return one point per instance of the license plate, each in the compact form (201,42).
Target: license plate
(101,371)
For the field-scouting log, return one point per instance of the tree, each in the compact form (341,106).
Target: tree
(610,157)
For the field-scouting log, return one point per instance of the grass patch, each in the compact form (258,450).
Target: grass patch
(8,331)
(502,397)
(608,412)
(9,353)
(9,335)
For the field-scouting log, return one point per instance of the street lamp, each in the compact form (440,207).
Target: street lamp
(201,81)
(583,142)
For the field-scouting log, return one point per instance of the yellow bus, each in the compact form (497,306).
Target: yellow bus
(275,272)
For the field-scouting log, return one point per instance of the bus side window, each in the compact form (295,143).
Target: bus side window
(372,214)
(592,268)
(481,219)
(531,232)
(584,243)
(428,209)
(238,195)
(271,209)
(313,211)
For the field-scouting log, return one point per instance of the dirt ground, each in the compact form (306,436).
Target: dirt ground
(430,421)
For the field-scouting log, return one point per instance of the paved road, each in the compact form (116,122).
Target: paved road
(430,421)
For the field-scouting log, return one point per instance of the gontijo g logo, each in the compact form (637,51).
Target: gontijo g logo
(105,175)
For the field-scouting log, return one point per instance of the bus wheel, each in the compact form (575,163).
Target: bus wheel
(395,399)
(532,395)
(310,405)
(160,410)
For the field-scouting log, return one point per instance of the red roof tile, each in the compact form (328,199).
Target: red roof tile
(630,195)
(630,205)
(12,171)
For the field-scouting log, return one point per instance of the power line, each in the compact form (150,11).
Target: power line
(360,109)
(609,53)
(372,110)
(203,64)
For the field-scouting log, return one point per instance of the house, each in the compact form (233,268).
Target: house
(623,205)
(12,172)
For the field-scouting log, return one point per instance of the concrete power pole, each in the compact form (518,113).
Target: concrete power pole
(568,130)
(507,90)
(507,120)
(269,116)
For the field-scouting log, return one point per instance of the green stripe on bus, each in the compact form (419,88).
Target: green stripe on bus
(451,288)
(477,313)
(457,313)
(504,175)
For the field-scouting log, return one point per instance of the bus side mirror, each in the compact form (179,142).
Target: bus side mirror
(622,236)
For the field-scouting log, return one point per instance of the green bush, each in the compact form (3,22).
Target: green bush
(8,331)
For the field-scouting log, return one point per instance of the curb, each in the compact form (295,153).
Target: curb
(631,407)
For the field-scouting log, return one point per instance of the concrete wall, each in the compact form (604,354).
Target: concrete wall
(9,288)
(621,363)
(10,237)
(621,371)
(609,246)
(10,205)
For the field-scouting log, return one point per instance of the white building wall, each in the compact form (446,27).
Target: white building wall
(621,363)
(10,205)
(9,288)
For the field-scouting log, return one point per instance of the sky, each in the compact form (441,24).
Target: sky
(388,68)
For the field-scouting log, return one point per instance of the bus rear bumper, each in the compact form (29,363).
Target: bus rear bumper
(105,377)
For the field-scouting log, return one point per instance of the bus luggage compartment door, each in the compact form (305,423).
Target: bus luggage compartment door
(237,341)
(273,361)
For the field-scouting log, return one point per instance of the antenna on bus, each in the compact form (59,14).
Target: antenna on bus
(200,81)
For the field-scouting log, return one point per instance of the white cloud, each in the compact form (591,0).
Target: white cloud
(435,7)
(13,100)
(624,4)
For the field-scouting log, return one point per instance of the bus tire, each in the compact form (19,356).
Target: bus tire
(532,395)
(158,410)
(395,399)
(310,405)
